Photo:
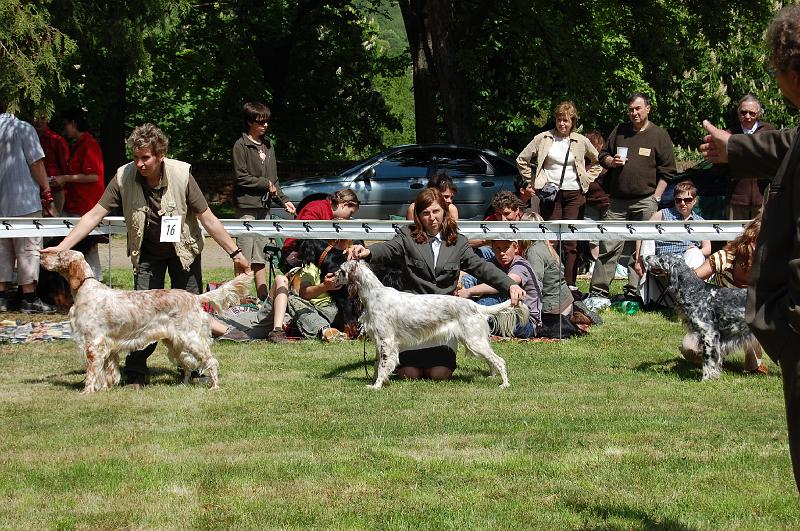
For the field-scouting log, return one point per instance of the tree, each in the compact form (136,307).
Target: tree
(115,41)
(31,56)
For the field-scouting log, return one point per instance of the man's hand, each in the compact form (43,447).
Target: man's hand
(240,264)
(715,144)
(617,161)
(462,292)
(517,294)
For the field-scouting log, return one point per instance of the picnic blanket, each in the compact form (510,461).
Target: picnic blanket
(16,332)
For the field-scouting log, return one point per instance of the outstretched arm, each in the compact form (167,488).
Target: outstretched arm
(215,229)
(87,223)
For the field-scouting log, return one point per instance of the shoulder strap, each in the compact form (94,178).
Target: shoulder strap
(566,158)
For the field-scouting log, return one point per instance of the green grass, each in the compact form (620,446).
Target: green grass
(608,431)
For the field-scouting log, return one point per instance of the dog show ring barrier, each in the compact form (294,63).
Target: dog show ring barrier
(380,230)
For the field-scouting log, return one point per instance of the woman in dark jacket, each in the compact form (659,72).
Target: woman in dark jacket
(256,185)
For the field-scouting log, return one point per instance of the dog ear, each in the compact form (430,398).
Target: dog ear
(352,287)
(75,274)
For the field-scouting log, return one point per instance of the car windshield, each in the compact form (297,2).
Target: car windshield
(358,167)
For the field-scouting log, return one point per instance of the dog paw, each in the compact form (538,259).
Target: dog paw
(505,385)
(374,387)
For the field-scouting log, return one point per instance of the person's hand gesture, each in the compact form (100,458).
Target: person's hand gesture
(289,207)
(715,144)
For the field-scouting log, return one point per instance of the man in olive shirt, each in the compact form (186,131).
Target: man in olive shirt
(162,205)
(638,174)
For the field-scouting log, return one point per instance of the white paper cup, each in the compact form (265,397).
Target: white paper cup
(622,152)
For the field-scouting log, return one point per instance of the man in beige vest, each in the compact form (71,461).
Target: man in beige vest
(162,204)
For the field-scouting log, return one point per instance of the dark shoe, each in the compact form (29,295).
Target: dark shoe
(234,334)
(277,336)
(594,317)
(37,306)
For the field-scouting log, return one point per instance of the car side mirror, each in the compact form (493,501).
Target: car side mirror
(369,174)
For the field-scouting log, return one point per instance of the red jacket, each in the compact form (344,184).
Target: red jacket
(56,152)
(86,158)
(319,209)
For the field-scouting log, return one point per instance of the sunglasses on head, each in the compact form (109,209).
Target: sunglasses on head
(684,199)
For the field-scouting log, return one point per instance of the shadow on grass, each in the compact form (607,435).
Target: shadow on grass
(466,375)
(60,380)
(677,366)
(687,371)
(634,517)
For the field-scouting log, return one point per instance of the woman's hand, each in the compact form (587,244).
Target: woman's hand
(517,295)
(289,207)
(357,252)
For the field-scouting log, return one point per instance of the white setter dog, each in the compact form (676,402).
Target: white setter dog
(399,321)
(106,322)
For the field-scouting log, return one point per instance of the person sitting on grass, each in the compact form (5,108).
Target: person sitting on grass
(507,259)
(543,258)
(264,323)
(313,308)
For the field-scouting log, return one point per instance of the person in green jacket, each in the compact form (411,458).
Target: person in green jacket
(256,186)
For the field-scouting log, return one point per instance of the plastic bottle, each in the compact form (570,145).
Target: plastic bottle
(627,307)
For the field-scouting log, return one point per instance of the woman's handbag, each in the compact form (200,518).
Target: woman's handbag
(548,192)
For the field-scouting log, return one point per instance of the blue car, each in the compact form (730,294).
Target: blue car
(389,181)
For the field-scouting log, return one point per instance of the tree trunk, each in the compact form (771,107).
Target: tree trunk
(112,129)
(453,84)
(425,115)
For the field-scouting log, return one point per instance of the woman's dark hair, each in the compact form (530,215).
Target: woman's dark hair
(255,111)
(77,115)
(442,181)
(424,199)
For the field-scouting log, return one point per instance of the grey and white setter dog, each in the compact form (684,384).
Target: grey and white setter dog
(398,321)
(714,316)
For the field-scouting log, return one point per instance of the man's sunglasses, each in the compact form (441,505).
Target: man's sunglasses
(684,199)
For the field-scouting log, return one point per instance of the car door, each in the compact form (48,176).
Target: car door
(388,187)
(473,178)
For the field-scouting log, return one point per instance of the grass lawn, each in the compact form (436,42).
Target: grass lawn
(608,431)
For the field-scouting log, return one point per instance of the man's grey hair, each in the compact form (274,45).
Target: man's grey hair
(749,98)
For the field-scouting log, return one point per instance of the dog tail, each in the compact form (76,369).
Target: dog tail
(506,317)
(228,294)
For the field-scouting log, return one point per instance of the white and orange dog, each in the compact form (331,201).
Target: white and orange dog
(106,322)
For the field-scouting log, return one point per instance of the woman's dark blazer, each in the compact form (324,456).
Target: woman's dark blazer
(415,260)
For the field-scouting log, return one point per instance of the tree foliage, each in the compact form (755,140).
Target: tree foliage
(694,59)
(31,54)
